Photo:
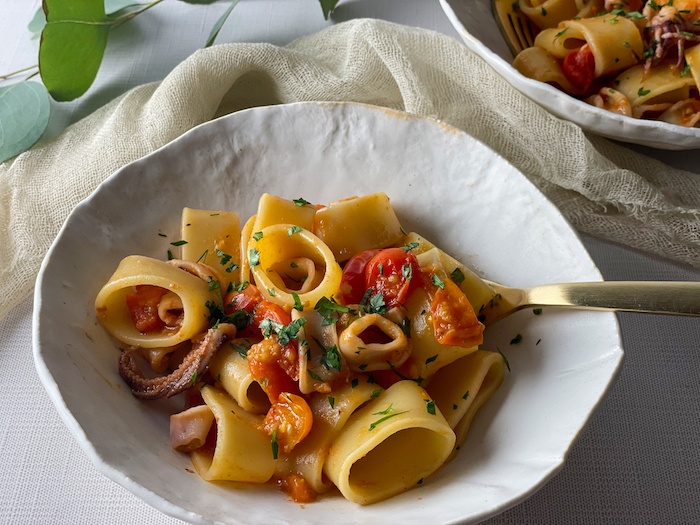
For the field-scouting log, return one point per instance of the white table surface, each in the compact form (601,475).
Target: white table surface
(637,462)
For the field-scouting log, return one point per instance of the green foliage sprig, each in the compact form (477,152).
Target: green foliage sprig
(73,41)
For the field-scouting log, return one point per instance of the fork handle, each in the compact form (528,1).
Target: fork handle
(661,297)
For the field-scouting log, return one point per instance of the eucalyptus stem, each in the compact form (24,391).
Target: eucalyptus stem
(125,18)
(19,71)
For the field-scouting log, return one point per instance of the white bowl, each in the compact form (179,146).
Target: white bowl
(475,22)
(443,184)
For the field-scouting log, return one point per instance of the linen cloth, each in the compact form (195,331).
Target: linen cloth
(604,189)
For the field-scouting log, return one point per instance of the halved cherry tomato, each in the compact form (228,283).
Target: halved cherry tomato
(275,368)
(579,67)
(454,320)
(290,418)
(143,307)
(298,488)
(390,272)
(247,299)
(353,284)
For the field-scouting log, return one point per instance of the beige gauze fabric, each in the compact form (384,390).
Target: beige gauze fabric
(602,188)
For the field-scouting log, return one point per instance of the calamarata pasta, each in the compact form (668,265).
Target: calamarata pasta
(638,58)
(315,346)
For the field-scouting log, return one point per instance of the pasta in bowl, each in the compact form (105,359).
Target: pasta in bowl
(444,185)
(300,370)
(619,85)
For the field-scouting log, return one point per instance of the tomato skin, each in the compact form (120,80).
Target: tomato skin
(291,419)
(453,317)
(353,284)
(298,488)
(143,308)
(247,299)
(579,67)
(387,271)
(275,368)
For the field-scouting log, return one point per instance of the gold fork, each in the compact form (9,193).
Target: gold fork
(660,297)
(517,29)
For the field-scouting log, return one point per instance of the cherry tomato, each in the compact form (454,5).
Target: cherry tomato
(579,67)
(354,284)
(390,272)
(273,312)
(291,420)
(247,299)
(298,488)
(276,369)
(454,320)
(143,307)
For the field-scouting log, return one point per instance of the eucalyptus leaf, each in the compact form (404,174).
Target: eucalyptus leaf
(219,24)
(24,115)
(328,6)
(72,46)
(37,23)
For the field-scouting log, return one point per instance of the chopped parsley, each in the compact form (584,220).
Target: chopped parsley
(301,202)
(408,247)
(254,257)
(331,401)
(387,414)
(437,281)
(505,360)
(293,229)
(275,446)
(178,243)
(537,311)
(516,340)
(297,302)
(457,276)
(430,406)
(258,235)
(329,310)
(284,333)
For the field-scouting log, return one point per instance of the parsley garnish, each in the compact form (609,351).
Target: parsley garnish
(331,401)
(431,359)
(284,333)
(504,359)
(178,243)
(537,311)
(430,406)
(437,281)
(407,271)
(241,349)
(293,229)
(516,340)
(301,202)
(643,92)
(375,393)
(329,309)
(457,276)
(377,304)
(388,414)
(410,246)
(254,257)
(275,446)
(258,235)
(297,302)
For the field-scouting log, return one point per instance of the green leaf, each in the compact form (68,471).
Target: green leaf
(72,46)
(24,115)
(328,6)
(36,25)
(219,24)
